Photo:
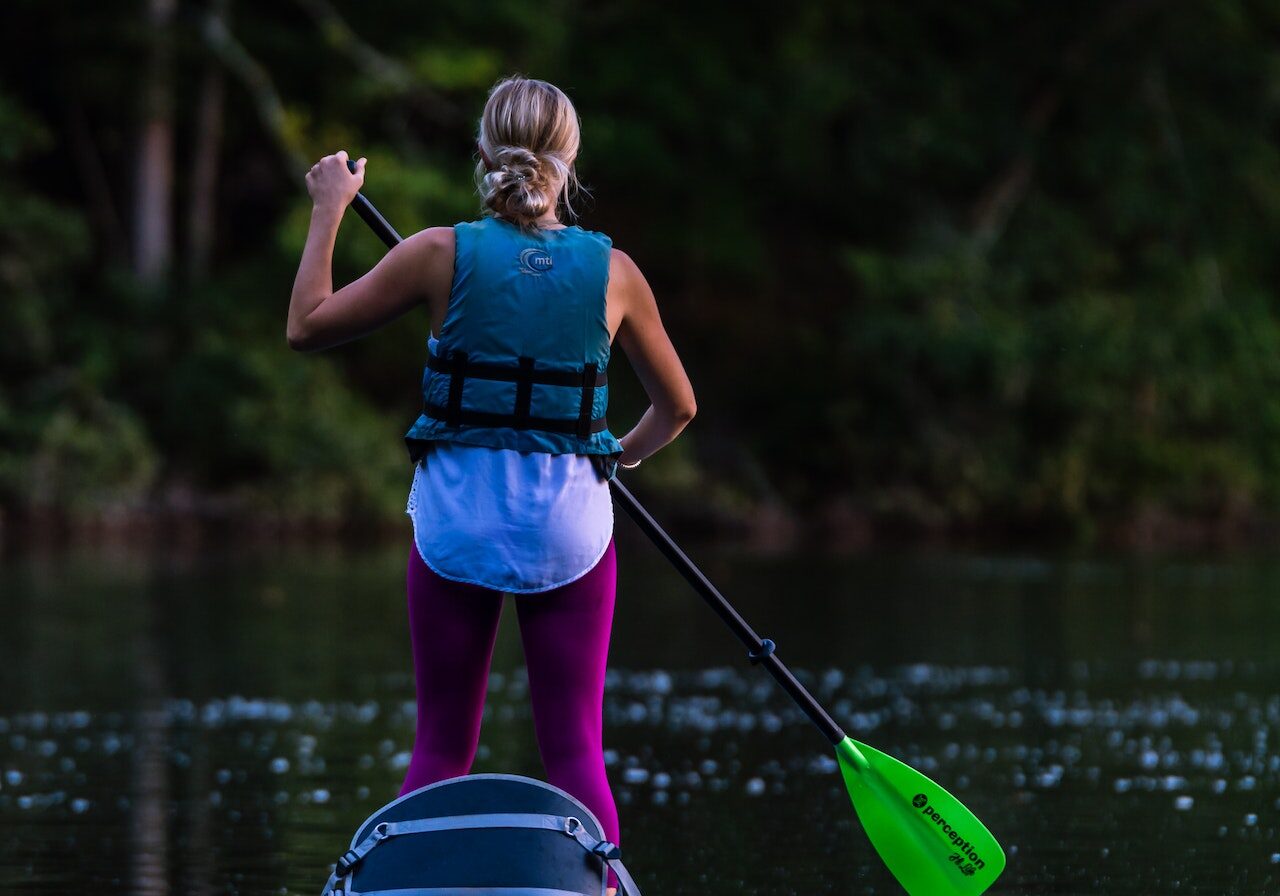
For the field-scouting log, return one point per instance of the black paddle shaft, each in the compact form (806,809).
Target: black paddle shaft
(364,208)
(759,650)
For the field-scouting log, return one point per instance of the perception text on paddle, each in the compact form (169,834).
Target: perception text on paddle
(967,861)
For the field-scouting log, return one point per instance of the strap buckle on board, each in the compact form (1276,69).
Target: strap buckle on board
(607,850)
(352,857)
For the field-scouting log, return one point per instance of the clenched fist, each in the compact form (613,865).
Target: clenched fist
(331,184)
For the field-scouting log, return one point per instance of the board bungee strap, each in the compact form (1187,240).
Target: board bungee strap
(568,825)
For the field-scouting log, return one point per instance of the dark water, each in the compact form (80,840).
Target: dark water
(220,723)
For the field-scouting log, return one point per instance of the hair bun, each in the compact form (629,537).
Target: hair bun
(515,163)
(519,187)
(528,141)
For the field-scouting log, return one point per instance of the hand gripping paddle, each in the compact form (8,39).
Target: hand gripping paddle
(931,843)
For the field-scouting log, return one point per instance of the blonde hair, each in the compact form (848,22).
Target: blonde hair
(530,133)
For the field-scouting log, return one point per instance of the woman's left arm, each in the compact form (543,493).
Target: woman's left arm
(321,318)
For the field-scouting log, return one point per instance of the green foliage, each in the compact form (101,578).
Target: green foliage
(62,442)
(457,68)
(985,408)
(289,431)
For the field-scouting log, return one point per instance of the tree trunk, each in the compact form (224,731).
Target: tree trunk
(202,212)
(113,240)
(153,194)
(1003,193)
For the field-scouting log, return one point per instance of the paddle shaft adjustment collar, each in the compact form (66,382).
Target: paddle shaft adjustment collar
(766,649)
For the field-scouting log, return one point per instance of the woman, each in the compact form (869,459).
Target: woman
(512,452)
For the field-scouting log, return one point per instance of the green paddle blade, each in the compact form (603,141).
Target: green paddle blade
(933,845)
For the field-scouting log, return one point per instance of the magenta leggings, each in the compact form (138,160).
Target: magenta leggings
(565,632)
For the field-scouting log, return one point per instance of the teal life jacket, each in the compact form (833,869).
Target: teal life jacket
(521,356)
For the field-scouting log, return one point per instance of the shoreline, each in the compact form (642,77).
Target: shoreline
(838,526)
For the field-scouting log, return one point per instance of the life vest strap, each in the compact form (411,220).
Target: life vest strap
(469,417)
(458,364)
(460,368)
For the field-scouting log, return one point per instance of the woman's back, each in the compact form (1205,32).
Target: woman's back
(523,344)
(515,509)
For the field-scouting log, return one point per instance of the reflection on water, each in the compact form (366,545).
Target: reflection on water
(221,723)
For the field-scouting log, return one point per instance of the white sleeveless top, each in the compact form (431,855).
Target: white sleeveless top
(513,521)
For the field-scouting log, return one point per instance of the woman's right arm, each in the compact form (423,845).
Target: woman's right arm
(654,360)
(418,269)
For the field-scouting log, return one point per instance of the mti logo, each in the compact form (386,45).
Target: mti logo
(534,261)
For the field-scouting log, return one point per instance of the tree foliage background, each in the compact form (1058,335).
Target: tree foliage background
(985,266)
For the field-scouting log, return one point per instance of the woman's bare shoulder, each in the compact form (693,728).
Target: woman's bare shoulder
(621,261)
(432,239)
(626,277)
(433,249)
(624,272)
(431,254)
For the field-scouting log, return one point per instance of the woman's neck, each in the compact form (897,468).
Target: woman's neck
(547,222)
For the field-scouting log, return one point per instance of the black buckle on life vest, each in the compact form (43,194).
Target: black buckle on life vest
(458,360)
(524,392)
(584,406)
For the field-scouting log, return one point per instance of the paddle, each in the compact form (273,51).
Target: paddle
(931,843)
